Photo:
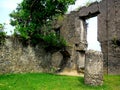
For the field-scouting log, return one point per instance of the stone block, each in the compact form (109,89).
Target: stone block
(56,59)
(93,68)
(90,11)
(80,60)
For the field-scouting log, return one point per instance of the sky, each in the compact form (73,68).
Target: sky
(7,6)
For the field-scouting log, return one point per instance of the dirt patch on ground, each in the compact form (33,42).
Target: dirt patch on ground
(71,73)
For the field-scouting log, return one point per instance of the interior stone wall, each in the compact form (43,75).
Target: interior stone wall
(17,58)
(14,57)
(110,26)
(74,30)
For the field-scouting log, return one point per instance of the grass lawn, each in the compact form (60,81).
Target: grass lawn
(41,81)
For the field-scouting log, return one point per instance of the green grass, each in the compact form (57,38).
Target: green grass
(41,81)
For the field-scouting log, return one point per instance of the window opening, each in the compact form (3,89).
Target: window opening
(92,34)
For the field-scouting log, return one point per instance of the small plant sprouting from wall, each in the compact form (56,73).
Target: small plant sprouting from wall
(53,40)
(2,38)
(2,34)
(115,42)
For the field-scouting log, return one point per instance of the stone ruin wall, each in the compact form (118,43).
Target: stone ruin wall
(93,68)
(15,58)
(74,30)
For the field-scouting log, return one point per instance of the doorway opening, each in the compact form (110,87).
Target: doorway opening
(92,34)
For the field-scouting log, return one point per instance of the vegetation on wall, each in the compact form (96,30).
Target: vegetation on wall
(1,27)
(31,16)
(2,38)
(115,42)
(2,34)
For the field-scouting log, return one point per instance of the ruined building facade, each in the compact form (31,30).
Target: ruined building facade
(74,30)
(15,58)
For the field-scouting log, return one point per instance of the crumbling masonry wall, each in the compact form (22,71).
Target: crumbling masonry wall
(93,68)
(109,32)
(74,30)
(16,58)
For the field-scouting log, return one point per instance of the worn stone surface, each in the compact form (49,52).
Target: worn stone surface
(102,21)
(75,31)
(16,58)
(93,68)
(104,48)
(114,60)
(56,60)
(91,11)
(80,61)
(113,35)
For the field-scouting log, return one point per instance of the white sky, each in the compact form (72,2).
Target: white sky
(7,6)
(92,34)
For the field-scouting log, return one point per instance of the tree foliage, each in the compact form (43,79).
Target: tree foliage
(31,15)
(2,34)
(1,27)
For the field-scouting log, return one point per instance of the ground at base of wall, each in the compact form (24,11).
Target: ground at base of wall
(71,73)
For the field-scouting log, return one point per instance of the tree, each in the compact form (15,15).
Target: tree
(2,34)
(1,27)
(31,15)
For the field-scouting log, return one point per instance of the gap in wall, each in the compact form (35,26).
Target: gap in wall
(92,34)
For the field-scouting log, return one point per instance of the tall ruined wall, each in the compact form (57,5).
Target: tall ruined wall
(108,13)
(114,36)
(109,34)
(74,30)
(17,58)
(14,57)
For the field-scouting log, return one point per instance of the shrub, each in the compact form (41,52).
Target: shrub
(54,40)
(2,38)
